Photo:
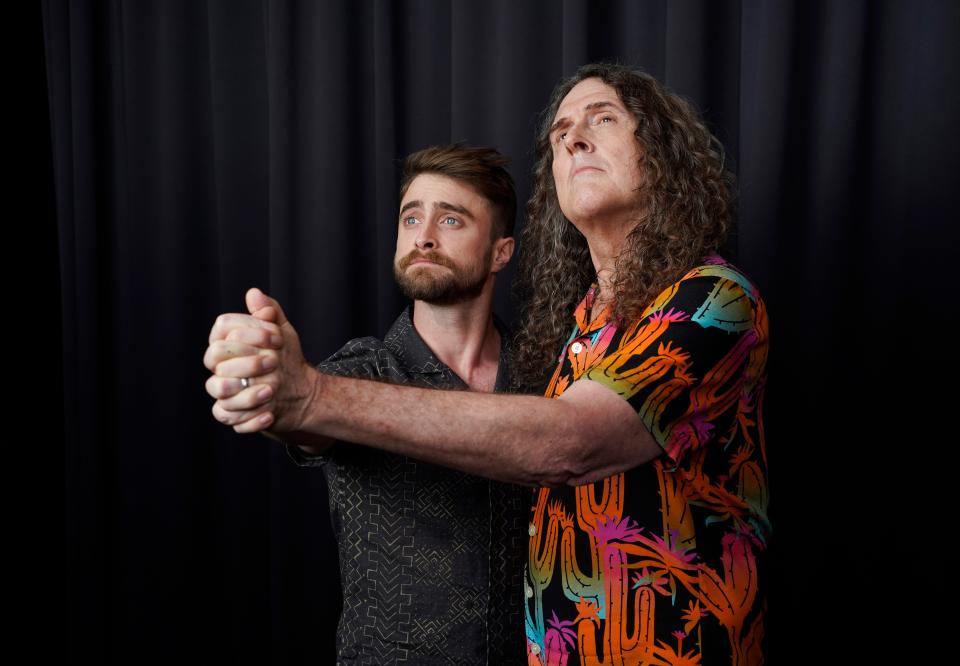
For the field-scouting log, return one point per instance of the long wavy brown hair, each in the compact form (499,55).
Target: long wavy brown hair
(685,210)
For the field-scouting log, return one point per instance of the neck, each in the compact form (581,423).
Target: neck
(463,337)
(605,238)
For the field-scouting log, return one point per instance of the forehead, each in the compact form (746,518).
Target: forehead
(431,187)
(588,91)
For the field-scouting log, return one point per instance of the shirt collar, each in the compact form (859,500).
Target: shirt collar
(599,319)
(405,342)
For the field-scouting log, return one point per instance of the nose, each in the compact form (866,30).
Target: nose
(576,139)
(425,239)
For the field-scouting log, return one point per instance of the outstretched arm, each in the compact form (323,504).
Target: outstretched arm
(588,433)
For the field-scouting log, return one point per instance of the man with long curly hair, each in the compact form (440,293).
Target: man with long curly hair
(630,204)
(649,515)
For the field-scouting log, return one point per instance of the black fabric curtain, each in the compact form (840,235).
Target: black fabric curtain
(200,148)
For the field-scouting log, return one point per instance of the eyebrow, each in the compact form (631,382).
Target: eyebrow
(441,205)
(565,122)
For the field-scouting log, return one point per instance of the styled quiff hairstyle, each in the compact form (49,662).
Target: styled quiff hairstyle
(480,168)
(684,211)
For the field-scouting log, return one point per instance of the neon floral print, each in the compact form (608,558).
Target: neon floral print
(662,564)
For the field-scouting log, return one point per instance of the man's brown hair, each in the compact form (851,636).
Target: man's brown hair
(479,168)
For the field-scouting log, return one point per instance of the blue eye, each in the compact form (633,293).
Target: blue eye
(407,221)
(450,221)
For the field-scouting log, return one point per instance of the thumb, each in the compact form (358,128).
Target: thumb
(263,307)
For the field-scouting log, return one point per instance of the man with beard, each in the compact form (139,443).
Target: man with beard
(649,524)
(430,558)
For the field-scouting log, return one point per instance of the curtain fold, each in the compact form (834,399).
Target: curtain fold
(199,149)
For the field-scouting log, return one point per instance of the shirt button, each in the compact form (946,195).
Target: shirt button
(535,648)
(532,530)
(576,347)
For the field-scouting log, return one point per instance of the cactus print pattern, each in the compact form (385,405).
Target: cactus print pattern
(662,564)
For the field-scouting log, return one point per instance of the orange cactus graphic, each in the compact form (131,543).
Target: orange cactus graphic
(729,594)
(587,610)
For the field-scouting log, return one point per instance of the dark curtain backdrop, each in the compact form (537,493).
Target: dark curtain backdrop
(200,148)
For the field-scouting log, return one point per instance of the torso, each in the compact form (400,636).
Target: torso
(663,563)
(430,558)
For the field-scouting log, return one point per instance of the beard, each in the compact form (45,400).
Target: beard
(437,287)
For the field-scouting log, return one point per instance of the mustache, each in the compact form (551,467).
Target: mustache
(435,257)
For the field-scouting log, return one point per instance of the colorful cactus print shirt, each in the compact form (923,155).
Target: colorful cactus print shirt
(662,564)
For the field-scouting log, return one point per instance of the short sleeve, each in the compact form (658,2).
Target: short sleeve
(683,366)
(300,459)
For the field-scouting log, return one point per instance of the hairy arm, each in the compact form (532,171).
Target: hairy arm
(587,434)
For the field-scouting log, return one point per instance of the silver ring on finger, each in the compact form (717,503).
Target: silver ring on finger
(245,382)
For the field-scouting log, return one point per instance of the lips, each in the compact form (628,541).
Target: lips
(584,168)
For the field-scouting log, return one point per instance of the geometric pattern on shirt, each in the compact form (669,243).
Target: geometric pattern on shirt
(430,558)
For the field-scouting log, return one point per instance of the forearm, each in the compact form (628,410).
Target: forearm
(518,439)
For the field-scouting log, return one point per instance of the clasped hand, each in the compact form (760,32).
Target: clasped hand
(264,349)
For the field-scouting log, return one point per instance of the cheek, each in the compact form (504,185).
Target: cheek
(631,170)
(558,184)
(402,248)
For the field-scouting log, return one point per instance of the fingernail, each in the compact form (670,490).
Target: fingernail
(266,419)
(276,340)
(269,363)
(265,392)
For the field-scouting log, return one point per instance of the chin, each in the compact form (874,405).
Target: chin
(583,211)
(594,204)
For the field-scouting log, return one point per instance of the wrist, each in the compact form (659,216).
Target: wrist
(311,404)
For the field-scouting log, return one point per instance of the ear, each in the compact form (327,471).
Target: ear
(502,251)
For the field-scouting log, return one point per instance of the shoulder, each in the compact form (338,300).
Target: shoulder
(718,268)
(372,358)
(715,294)
(360,357)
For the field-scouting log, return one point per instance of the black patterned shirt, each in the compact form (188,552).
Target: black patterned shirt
(431,559)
